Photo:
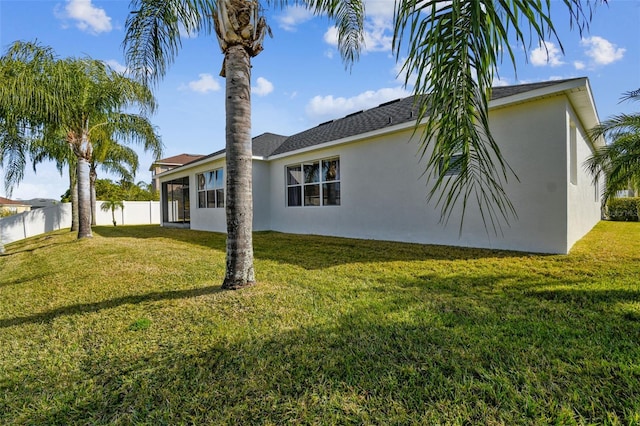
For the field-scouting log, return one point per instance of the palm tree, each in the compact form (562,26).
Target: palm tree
(618,161)
(69,101)
(112,204)
(112,158)
(453,49)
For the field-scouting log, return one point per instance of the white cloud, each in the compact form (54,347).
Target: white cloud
(379,9)
(377,36)
(401,74)
(331,36)
(206,83)
(294,16)
(117,66)
(547,54)
(579,65)
(602,51)
(327,107)
(88,17)
(263,87)
(500,82)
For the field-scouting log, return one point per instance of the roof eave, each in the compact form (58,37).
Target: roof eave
(191,165)
(349,139)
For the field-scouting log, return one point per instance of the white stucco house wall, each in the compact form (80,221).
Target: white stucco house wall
(365,178)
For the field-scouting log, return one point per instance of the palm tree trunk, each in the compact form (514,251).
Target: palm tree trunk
(239,201)
(84,200)
(73,191)
(93,175)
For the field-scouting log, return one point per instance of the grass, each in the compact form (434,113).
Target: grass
(131,327)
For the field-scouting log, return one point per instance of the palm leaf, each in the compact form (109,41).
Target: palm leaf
(452,50)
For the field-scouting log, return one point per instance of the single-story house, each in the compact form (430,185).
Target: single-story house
(14,206)
(361,176)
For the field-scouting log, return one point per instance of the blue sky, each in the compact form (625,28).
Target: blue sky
(299,80)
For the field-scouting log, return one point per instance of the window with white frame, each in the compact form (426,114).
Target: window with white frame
(314,183)
(211,189)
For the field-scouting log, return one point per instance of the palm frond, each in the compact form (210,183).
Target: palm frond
(453,48)
(152,40)
(618,161)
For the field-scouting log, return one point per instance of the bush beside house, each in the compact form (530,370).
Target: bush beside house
(624,209)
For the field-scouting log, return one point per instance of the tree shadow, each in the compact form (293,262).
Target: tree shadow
(215,240)
(107,304)
(36,245)
(373,365)
(312,251)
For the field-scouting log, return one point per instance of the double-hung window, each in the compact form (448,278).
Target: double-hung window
(211,189)
(314,183)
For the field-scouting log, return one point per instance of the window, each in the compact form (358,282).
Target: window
(314,183)
(573,154)
(453,167)
(176,206)
(211,189)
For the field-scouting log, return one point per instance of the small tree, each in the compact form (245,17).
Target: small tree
(112,204)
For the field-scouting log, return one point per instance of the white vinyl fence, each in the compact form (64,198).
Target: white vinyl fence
(39,221)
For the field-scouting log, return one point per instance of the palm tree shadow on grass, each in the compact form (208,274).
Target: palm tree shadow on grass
(365,367)
(313,252)
(33,248)
(83,308)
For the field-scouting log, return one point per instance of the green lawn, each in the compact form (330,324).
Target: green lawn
(131,327)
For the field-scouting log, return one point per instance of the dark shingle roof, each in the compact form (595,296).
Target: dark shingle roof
(504,91)
(265,144)
(262,146)
(385,115)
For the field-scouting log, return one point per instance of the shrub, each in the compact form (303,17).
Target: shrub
(624,209)
(6,212)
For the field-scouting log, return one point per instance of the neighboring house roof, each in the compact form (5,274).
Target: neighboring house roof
(176,160)
(403,112)
(8,202)
(37,203)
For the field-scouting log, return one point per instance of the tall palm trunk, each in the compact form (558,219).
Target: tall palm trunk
(84,199)
(239,200)
(93,175)
(83,150)
(240,30)
(73,191)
